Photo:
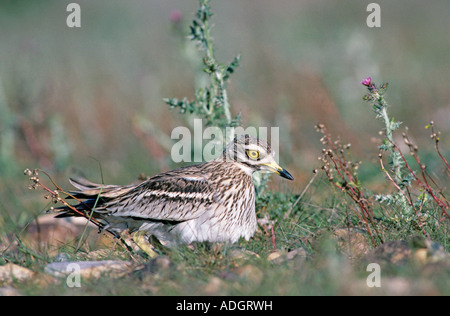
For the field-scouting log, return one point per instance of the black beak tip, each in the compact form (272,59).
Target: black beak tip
(285,174)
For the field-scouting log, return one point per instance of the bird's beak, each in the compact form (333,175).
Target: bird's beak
(275,168)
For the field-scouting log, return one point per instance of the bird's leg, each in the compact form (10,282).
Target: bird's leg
(142,242)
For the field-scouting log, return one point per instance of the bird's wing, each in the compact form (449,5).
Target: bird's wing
(177,195)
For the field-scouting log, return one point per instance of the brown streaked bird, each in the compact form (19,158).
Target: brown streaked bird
(212,201)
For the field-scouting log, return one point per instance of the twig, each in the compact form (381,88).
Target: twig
(335,161)
(443,205)
(273,238)
(59,199)
(436,138)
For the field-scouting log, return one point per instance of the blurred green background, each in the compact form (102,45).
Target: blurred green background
(70,94)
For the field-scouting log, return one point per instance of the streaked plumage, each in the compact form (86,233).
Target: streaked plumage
(213,201)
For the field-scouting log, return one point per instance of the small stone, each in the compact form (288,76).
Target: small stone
(296,255)
(351,242)
(420,256)
(393,252)
(273,256)
(250,273)
(241,253)
(214,286)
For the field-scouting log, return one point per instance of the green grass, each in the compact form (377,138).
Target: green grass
(326,270)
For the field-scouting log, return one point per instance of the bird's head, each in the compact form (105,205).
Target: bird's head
(253,154)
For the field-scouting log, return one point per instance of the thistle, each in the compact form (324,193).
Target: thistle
(401,179)
(211,101)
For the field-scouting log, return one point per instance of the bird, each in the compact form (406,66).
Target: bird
(213,201)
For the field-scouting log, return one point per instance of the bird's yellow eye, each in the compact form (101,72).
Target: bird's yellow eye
(253,154)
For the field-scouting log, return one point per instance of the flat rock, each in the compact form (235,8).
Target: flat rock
(90,269)
(393,252)
(12,272)
(51,233)
(9,291)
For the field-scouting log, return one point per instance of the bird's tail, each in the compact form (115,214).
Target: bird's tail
(91,197)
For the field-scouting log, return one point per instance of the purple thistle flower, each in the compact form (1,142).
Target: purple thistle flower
(175,16)
(367,82)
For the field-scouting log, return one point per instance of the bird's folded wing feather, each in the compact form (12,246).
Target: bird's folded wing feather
(90,189)
(169,196)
